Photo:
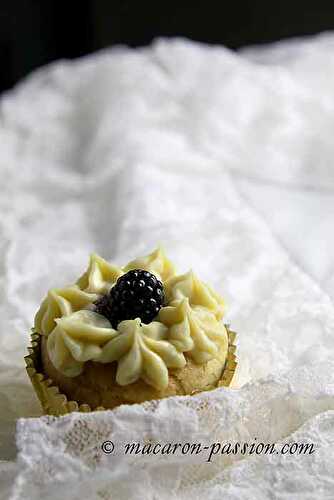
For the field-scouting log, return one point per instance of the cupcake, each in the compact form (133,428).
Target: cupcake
(123,335)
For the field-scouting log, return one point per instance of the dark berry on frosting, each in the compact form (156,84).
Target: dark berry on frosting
(137,294)
(103,306)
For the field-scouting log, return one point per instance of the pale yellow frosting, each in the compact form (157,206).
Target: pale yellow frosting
(155,262)
(194,330)
(61,302)
(142,351)
(78,338)
(100,275)
(189,325)
(198,293)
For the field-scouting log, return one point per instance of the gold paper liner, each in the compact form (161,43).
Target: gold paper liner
(55,403)
(231,361)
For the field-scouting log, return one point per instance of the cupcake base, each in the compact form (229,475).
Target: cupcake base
(54,402)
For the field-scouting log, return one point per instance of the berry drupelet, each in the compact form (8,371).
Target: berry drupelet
(137,294)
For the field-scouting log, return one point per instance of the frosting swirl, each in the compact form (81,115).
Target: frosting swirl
(142,351)
(155,262)
(61,302)
(194,330)
(100,275)
(188,326)
(198,293)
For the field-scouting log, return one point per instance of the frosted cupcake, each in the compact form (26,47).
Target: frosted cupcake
(129,335)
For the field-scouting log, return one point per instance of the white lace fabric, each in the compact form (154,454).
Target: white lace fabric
(126,149)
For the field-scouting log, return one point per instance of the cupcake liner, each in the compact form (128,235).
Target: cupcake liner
(231,361)
(55,403)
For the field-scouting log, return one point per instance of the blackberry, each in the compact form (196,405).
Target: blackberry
(137,294)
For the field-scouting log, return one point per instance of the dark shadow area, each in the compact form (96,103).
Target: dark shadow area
(35,32)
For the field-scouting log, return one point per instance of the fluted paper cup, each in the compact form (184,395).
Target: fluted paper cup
(55,403)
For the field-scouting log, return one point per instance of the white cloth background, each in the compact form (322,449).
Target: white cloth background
(226,159)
